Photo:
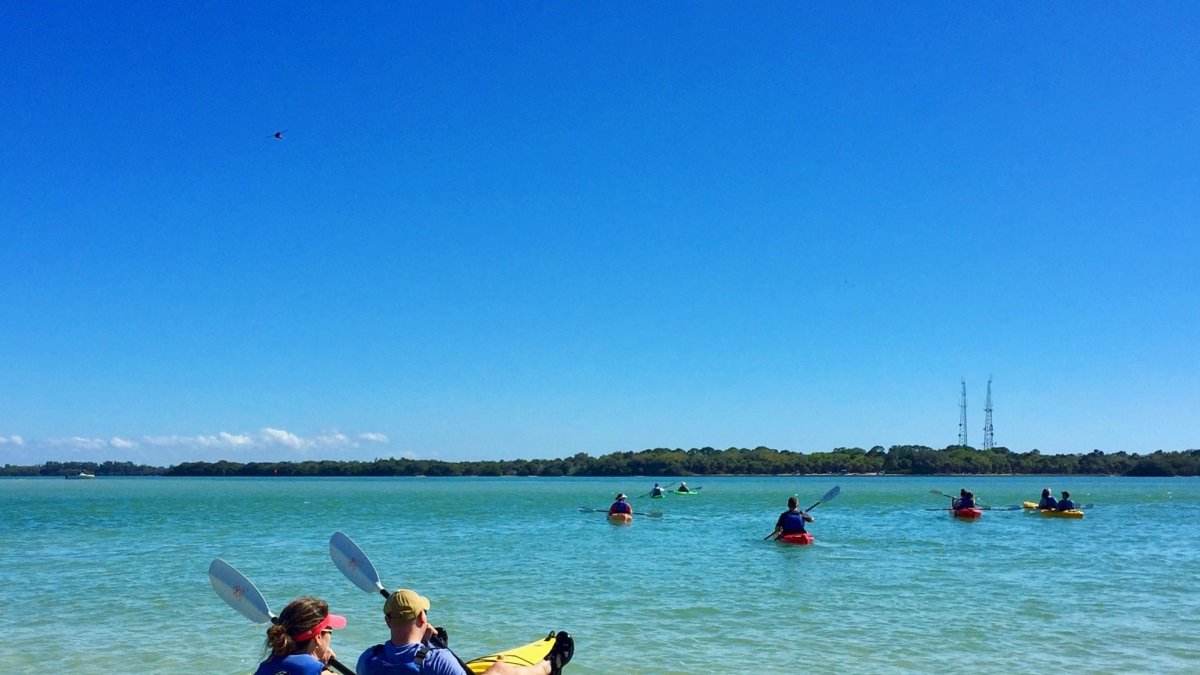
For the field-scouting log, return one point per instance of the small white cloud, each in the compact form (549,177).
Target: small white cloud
(371,437)
(332,439)
(12,440)
(280,437)
(79,443)
(118,442)
(164,441)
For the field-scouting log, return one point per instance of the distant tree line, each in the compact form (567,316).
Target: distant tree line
(898,459)
(74,468)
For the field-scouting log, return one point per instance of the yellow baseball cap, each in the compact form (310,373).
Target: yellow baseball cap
(405,604)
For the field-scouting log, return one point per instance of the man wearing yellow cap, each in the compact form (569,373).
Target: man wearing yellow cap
(409,649)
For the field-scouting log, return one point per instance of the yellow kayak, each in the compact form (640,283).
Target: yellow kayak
(1030,507)
(525,655)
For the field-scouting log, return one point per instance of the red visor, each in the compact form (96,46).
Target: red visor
(330,621)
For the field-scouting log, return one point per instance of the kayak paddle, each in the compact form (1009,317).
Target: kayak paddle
(648,514)
(357,567)
(239,593)
(835,491)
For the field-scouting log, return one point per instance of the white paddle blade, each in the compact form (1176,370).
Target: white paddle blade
(237,591)
(353,563)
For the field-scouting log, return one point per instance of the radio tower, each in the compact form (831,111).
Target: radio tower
(988,443)
(962,416)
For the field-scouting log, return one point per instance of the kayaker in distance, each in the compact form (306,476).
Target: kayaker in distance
(1065,504)
(299,643)
(1047,501)
(656,491)
(408,651)
(620,505)
(682,487)
(966,500)
(791,521)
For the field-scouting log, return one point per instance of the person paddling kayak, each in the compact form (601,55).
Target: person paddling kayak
(791,521)
(1065,504)
(965,500)
(682,487)
(1047,501)
(656,491)
(620,506)
(299,642)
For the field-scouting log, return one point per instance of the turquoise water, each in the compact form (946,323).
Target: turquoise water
(110,575)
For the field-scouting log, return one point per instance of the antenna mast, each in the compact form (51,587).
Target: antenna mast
(988,441)
(962,416)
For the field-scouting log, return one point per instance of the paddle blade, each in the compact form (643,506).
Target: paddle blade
(837,490)
(237,591)
(353,563)
(652,514)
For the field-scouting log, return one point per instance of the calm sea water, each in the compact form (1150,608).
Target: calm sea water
(110,575)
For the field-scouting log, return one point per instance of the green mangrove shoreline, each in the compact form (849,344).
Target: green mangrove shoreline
(760,461)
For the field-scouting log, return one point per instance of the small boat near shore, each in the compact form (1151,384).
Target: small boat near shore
(82,475)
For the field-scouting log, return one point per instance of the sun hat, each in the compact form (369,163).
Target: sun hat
(405,604)
(621,496)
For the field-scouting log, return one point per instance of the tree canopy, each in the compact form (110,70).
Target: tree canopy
(898,459)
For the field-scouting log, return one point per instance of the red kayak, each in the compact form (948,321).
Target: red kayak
(967,514)
(799,538)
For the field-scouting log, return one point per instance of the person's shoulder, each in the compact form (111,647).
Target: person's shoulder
(368,658)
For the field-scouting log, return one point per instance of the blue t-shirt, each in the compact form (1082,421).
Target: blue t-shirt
(1047,503)
(296,664)
(791,522)
(388,659)
(1065,504)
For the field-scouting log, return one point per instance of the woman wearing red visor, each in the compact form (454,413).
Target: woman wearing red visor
(299,642)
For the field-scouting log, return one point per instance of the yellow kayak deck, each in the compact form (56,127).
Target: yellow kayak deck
(525,655)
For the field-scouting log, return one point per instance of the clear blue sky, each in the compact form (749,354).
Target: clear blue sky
(501,230)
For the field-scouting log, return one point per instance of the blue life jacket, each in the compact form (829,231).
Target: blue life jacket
(295,664)
(1047,503)
(410,659)
(965,503)
(620,507)
(1066,505)
(792,522)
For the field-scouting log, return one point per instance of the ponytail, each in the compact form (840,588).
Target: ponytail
(299,616)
